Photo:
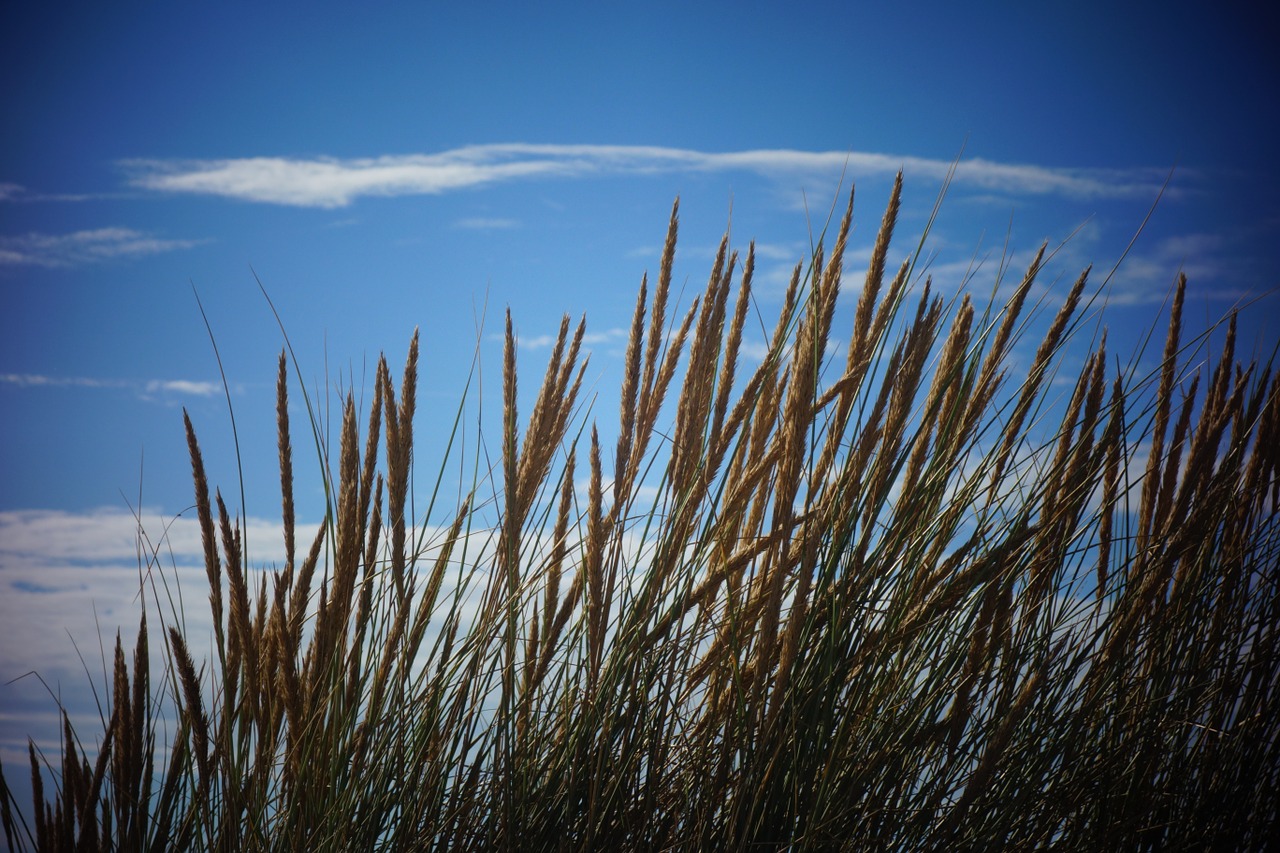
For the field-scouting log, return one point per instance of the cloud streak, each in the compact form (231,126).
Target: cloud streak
(17,193)
(146,389)
(538,342)
(84,247)
(479,223)
(331,182)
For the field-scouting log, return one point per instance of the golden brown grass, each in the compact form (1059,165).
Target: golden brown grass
(873,605)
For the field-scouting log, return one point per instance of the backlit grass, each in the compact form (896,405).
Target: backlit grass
(889,597)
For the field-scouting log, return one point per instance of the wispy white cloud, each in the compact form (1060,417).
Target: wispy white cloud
(780,252)
(332,182)
(589,339)
(149,389)
(479,223)
(33,380)
(183,386)
(84,247)
(1217,265)
(1215,270)
(10,192)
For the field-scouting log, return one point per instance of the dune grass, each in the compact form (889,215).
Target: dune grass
(886,598)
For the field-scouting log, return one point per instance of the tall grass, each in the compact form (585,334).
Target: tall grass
(862,600)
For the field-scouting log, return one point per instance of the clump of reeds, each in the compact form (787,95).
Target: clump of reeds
(873,605)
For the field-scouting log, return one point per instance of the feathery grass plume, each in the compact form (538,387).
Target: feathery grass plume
(348,545)
(239,644)
(130,759)
(1070,478)
(193,707)
(1035,377)
(902,386)
(866,331)
(509,552)
(301,592)
(559,551)
(552,411)
(689,442)
(1112,445)
(370,478)
(791,442)
(399,448)
(860,343)
(991,375)
(42,815)
(204,514)
(1262,465)
(883,601)
(122,711)
(1219,410)
(651,389)
(945,396)
(285,451)
(596,599)
(729,360)
(373,535)
(623,472)
(1164,398)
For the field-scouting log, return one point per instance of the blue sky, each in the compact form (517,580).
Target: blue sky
(428,164)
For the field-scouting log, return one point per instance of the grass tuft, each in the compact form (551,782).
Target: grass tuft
(898,598)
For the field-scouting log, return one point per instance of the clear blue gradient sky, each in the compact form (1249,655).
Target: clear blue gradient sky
(423,164)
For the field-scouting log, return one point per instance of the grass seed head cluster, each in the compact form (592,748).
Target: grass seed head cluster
(858,600)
